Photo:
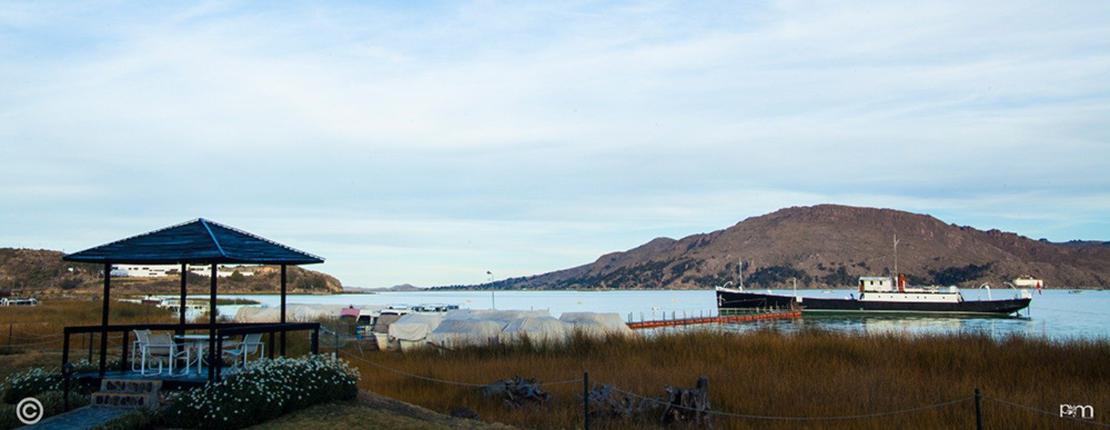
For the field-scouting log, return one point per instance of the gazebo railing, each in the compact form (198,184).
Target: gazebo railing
(264,328)
(222,330)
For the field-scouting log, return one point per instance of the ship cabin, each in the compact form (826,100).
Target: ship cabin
(886,288)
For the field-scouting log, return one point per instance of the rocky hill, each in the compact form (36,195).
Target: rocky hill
(830,246)
(35,271)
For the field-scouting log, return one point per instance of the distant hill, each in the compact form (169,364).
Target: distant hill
(830,246)
(43,271)
(402,287)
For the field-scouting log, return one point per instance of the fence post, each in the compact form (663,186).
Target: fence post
(335,357)
(218,363)
(9,337)
(586,400)
(65,371)
(978,410)
(90,347)
(123,354)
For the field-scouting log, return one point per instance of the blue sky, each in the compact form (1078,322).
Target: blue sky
(428,143)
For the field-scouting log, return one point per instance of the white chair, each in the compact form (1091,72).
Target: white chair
(156,348)
(252,343)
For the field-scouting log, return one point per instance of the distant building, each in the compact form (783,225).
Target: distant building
(155,271)
(142,271)
(222,271)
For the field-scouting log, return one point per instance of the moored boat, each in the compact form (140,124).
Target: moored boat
(877,295)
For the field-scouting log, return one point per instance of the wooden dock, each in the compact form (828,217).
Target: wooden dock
(720,319)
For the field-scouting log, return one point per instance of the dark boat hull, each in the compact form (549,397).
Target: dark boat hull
(745,300)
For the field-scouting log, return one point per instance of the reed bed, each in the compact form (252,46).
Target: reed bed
(32,335)
(810,373)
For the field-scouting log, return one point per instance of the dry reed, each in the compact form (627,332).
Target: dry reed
(810,373)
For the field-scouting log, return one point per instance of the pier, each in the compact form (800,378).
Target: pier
(718,319)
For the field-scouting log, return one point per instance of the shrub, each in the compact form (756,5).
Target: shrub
(265,390)
(29,383)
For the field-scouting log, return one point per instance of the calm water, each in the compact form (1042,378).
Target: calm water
(1056,313)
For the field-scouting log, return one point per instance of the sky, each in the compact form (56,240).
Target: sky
(429,143)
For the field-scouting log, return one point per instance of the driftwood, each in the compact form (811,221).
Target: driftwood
(688,405)
(516,392)
(606,402)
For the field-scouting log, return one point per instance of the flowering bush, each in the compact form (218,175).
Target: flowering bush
(30,382)
(264,390)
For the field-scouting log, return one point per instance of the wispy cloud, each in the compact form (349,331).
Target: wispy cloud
(444,140)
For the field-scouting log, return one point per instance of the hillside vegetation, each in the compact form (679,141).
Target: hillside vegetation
(830,246)
(37,271)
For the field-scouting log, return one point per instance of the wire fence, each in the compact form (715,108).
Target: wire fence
(1057,414)
(727,414)
(45,342)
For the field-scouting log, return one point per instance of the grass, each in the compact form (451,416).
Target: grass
(36,332)
(372,412)
(810,373)
(762,372)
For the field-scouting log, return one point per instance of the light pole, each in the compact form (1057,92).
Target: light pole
(492,291)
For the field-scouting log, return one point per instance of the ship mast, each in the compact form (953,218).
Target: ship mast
(896,255)
(740,270)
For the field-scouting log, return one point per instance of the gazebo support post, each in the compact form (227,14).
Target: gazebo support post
(104,318)
(181,304)
(283,310)
(212,326)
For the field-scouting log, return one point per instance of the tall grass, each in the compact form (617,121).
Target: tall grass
(36,331)
(809,373)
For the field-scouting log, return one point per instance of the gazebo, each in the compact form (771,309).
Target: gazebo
(197,242)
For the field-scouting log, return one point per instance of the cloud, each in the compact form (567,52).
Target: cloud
(546,133)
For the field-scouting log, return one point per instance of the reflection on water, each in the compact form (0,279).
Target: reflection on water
(908,324)
(1055,314)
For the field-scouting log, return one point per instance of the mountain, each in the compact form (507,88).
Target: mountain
(830,246)
(404,287)
(43,271)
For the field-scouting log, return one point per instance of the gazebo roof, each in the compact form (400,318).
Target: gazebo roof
(195,242)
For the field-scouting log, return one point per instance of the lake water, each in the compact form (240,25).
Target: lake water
(1056,314)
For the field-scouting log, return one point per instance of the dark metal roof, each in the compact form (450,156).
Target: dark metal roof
(195,242)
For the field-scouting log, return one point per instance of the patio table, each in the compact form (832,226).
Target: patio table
(198,342)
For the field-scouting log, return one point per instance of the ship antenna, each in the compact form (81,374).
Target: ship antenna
(740,270)
(895,255)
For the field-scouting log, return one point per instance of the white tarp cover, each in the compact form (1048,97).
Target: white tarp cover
(493,315)
(462,332)
(596,323)
(544,329)
(293,313)
(414,326)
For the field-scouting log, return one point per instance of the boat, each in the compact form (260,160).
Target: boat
(380,328)
(377,323)
(877,294)
(1026,281)
(19,301)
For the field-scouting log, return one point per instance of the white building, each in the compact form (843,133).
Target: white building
(222,271)
(142,271)
(154,271)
